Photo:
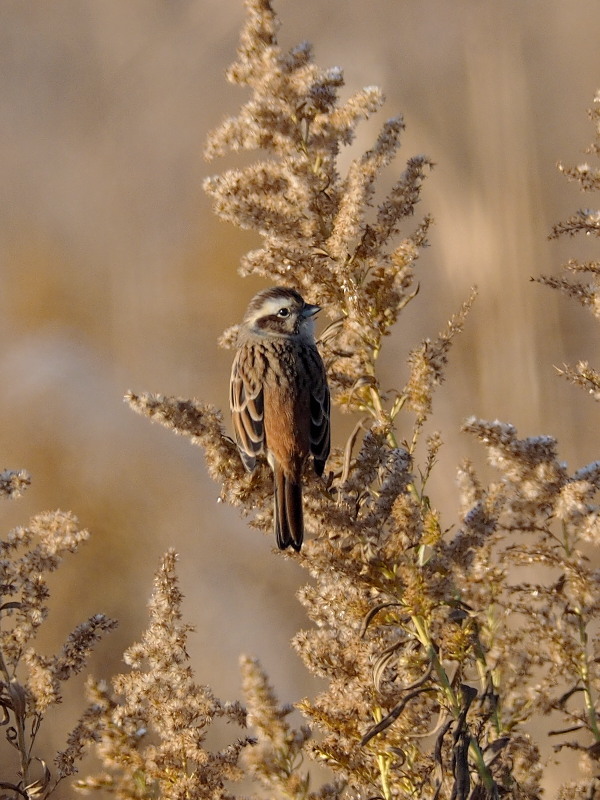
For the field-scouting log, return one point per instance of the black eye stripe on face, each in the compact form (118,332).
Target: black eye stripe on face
(274,323)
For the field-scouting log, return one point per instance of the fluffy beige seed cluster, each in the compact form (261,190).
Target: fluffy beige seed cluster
(436,647)
(151,726)
(31,682)
(319,231)
(13,483)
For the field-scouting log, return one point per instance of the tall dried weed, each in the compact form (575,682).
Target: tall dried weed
(439,645)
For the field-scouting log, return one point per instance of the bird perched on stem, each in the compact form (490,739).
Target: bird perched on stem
(280,400)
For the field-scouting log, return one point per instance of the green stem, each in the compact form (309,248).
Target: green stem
(383,762)
(384,769)
(588,696)
(425,639)
(455,707)
(382,416)
(17,695)
(585,677)
(482,769)
(4,668)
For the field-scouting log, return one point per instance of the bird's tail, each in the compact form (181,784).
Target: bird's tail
(289,522)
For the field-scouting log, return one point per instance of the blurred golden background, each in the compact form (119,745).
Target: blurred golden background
(116,275)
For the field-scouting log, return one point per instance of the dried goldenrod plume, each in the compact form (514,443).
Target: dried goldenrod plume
(13,483)
(320,230)
(30,682)
(439,647)
(586,221)
(275,758)
(436,651)
(323,233)
(150,727)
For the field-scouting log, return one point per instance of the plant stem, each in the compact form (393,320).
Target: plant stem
(585,677)
(455,706)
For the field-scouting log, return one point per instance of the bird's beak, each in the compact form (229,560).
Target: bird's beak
(310,311)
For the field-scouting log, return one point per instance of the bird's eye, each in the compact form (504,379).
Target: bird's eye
(283,312)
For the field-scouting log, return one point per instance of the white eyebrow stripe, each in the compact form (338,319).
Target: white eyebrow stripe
(272,306)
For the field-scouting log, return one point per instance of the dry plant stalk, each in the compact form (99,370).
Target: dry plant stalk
(438,648)
(436,656)
(150,726)
(586,221)
(30,682)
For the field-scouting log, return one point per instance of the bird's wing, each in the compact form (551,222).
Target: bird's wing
(247,411)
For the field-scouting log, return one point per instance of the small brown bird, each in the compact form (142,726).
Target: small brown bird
(280,400)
